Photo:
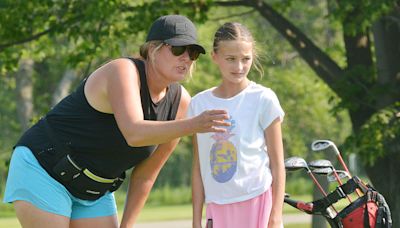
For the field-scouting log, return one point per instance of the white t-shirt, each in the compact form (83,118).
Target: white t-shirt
(234,165)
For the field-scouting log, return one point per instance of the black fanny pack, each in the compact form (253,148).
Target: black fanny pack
(83,183)
(80,181)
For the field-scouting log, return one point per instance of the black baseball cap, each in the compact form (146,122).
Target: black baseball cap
(175,30)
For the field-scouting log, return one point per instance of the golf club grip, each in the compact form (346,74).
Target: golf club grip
(303,206)
(209,223)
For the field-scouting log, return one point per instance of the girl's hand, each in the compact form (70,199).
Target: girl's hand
(211,121)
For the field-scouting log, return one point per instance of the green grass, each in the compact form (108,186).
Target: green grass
(157,213)
(6,209)
(10,222)
(298,226)
(152,213)
(148,214)
(162,213)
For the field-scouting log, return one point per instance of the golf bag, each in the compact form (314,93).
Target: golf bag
(369,211)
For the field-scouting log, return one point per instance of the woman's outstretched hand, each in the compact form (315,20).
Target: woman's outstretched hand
(211,121)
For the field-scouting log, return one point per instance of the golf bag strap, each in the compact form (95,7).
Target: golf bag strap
(339,193)
(384,217)
(366,218)
(371,196)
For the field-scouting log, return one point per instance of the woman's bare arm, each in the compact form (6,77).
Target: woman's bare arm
(116,87)
(145,174)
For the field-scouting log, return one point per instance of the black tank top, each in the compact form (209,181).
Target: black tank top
(93,136)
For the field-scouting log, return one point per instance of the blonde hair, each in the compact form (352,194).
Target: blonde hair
(144,53)
(237,31)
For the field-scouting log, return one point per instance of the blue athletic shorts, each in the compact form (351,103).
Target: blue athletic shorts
(28,181)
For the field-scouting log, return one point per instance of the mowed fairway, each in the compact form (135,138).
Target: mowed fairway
(157,213)
(149,213)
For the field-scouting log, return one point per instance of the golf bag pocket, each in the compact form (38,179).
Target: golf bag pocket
(359,215)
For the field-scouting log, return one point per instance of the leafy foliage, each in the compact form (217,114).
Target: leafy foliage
(379,136)
(79,30)
(9,126)
(359,15)
(356,88)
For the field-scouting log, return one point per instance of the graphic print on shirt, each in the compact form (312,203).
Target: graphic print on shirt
(223,155)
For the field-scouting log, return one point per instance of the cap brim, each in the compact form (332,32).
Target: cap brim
(184,42)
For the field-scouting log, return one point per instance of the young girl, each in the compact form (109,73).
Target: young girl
(239,173)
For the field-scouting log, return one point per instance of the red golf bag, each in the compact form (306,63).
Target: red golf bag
(369,211)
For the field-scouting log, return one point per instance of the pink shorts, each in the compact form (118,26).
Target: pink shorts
(252,213)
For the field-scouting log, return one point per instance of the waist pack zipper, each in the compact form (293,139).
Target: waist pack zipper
(90,174)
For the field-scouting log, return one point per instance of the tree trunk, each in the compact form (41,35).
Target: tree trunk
(384,175)
(64,86)
(24,90)
(359,67)
(319,221)
(358,50)
(386,36)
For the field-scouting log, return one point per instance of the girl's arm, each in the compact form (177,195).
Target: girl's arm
(273,138)
(197,188)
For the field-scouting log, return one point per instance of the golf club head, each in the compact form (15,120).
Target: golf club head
(322,171)
(320,163)
(341,174)
(323,144)
(326,145)
(295,163)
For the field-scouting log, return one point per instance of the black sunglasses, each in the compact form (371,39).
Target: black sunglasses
(179,50)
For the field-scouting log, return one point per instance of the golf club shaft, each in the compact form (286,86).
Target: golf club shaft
(319,187)
(340,182)
(343,164)
(346,169)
